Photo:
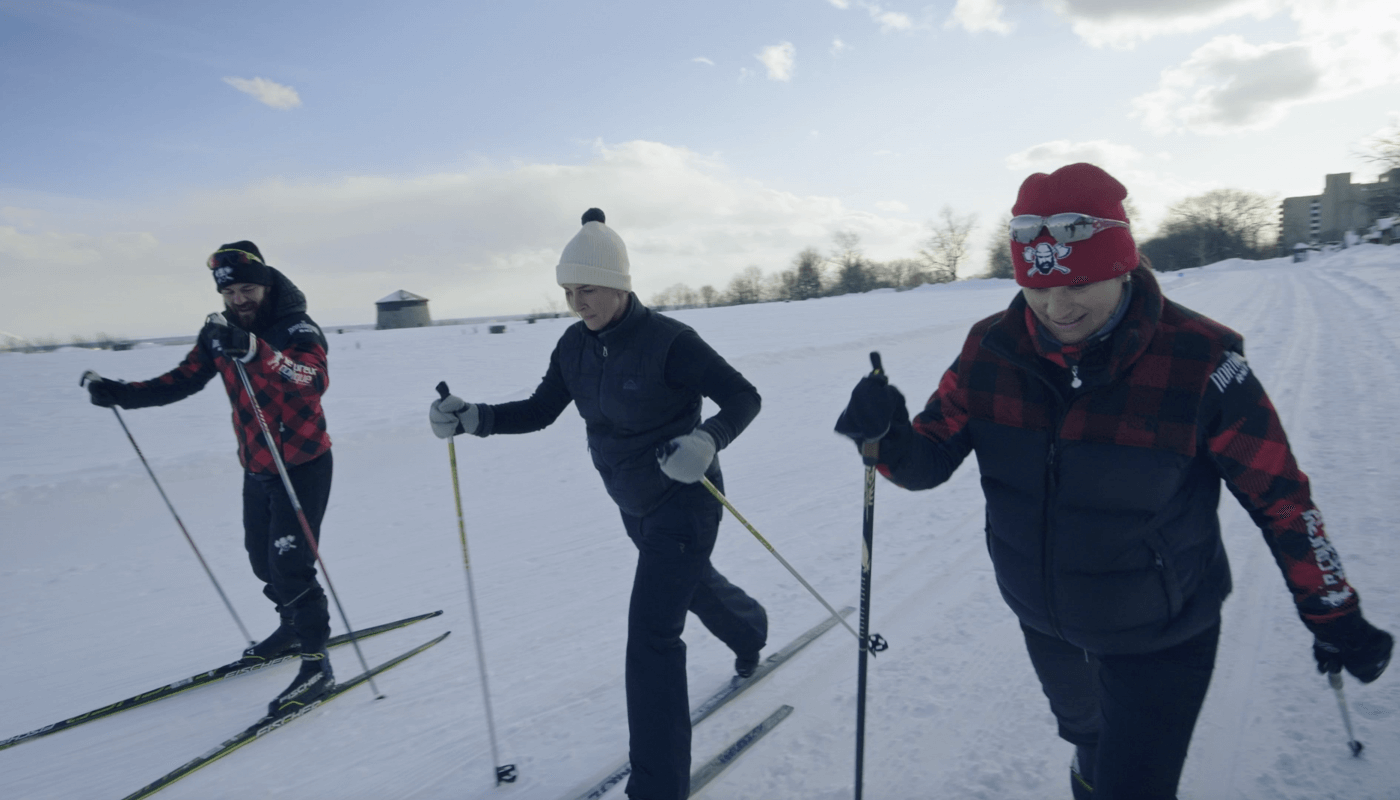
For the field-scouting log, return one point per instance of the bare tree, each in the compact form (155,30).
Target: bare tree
(906,273)
(708,295)
(1211,227)
(1383,150)
(852,275)
(807,275)
(946,246)
(745,287)
(1000,263)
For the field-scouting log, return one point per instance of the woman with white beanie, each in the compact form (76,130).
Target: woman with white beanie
(638,379)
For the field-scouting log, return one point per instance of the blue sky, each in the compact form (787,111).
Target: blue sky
(449,148)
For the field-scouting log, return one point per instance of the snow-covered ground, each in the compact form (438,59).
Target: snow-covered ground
(101,598)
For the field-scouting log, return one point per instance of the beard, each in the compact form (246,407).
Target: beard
(252,318)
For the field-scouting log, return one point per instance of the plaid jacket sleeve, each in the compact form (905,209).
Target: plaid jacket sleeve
(924,452)
(189,377)
(1247,443)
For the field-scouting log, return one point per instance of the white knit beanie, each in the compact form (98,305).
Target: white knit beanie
(595,256)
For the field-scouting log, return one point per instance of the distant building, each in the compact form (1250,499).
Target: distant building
(1343,206)
(402,310)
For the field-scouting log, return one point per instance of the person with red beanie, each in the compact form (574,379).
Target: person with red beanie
(1105,418)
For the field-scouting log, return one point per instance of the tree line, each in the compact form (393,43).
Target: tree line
(842,269)
(1199,230)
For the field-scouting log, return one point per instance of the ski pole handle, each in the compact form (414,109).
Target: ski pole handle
(89,376)
(870,451)
(442,390)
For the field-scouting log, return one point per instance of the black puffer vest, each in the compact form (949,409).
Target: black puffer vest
(1101,508)
(617,379)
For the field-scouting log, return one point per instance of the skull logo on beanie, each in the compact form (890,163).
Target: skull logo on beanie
(595,256)
(1078,189)
(239,262)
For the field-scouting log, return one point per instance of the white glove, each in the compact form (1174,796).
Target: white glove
(685,458)
(450,415)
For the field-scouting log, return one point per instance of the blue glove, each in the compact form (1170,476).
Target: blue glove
(686,458)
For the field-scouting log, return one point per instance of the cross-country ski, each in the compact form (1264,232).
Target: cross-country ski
(270,724)
(228,671)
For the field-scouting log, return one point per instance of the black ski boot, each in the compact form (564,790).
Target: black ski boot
(314,681)
(1081,772)
(281,642)
(745,665)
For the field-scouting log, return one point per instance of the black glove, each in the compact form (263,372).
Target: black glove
(105,393)
(231,340)
(874,405)
(1354,643)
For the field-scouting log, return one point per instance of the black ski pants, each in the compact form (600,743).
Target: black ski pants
(674,575)
(1136,712)
(278,550)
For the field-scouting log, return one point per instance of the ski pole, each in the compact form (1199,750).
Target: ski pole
(93,376)
(725,502)
(869,645)
(505,773)
(1335,678)
(301,517)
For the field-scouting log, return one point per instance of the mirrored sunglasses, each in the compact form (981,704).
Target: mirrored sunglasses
(1066,228)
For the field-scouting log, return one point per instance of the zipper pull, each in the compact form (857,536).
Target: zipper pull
(1076,383)
(605,351)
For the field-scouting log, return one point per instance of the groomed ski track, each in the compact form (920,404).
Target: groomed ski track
(954,707)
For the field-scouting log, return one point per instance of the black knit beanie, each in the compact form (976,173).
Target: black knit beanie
(239,262)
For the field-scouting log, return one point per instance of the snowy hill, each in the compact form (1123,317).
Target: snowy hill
(101,598)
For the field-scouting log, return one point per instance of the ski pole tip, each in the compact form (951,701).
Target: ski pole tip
(1356,748)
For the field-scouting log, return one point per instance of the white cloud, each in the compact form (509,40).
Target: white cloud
(841,4)
(888,20)
(1229,85)
(838,47)
(779,59)
(978,15)
(1123,23)
(475,242)
(703,60)
(266,92)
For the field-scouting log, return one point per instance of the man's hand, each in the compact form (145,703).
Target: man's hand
(1354,643)
(873,405)
(103,392)
(231,340)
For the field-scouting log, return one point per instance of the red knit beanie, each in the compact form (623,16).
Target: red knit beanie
(1082,189)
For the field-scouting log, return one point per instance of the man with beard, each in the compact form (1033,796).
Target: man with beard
(264,325)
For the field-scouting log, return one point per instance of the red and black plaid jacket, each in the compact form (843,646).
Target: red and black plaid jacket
(1101,498)
(288,374)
